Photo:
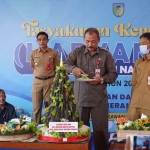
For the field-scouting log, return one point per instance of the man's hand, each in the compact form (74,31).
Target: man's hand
(77,71)
(97,81)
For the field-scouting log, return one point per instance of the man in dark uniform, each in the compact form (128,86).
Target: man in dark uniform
(43,62)
(91,96)
(7,111)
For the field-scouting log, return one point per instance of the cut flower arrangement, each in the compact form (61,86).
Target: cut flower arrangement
(139,124)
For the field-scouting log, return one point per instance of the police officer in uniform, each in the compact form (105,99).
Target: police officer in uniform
(43,62)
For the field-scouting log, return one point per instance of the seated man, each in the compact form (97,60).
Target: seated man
(7,111)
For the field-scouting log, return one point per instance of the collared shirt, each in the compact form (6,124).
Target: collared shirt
(7,113)
(141,93)
(39,61)
(86,94)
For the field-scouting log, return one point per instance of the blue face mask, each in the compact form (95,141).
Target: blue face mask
(144,50)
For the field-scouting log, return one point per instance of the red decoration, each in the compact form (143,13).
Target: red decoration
(62,140)
(48,67)
(97,63)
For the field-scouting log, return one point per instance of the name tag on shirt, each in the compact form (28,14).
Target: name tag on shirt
(148,80)
(97,71)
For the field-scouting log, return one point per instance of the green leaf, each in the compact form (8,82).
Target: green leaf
(62,75)
(47,109)
(133,128)
(32,126)
(53,104)
(60,80)
(38,132)
(126,128)
(55,134)
(141,128)
(75,102)
(65,85)
(53,112)
(68,82)
(147,124)
(69,88)
(61,104)
(60,97)
(80,124)
(57,89)
(70,134)
(72,95)
(69,113)
(76,114)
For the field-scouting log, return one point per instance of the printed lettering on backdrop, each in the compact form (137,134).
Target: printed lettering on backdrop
(119,34)
(124,62)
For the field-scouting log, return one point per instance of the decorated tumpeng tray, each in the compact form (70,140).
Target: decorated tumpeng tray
(61,120)
(17,129)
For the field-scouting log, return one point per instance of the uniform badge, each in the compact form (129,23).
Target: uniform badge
(98,62)
(137,68)
(97,72)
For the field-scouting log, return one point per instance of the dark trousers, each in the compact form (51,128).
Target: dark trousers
(100,124)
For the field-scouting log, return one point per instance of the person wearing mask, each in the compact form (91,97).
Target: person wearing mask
(43,62)
(140,93)
(7,111)
(91,96)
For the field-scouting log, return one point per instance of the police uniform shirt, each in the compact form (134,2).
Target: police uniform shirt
(40,60)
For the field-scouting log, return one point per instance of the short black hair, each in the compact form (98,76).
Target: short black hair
(118,6)
(91,31)
(42,33)
(1,90)
(145,35)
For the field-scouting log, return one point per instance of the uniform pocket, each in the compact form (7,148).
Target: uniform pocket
(51,60)
(36,59)
(81,63)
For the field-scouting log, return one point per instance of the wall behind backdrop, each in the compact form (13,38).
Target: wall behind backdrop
(120,24)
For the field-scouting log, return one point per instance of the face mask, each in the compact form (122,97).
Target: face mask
(143,49)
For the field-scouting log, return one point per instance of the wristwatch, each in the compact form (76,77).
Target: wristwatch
(102,80)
